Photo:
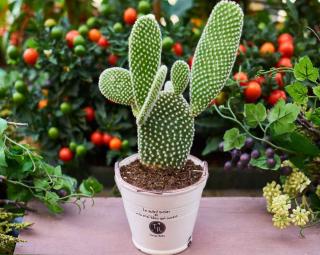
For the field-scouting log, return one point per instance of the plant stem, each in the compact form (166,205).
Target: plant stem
(234,119)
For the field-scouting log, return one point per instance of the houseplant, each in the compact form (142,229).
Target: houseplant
(161,186)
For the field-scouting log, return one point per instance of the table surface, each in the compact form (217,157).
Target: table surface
(225,226)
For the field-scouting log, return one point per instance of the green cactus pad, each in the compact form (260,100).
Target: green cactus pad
(165,139)
(215,54)
(180,75)
(115,84)
(144,56)
(153,95)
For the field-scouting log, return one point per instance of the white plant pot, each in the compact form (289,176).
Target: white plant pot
(161,223)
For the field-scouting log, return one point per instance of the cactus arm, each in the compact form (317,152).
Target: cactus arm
(215,54)
(152,95)
(165,139)
(180,75)
(144,56)
(115,85)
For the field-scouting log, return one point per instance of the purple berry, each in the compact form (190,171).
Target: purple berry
(221,146)
(269,152)
(227,166)
(286,170)
(62,193)
(284,157)
(255,154)
(271,162)
(240,165)
(249,143)
(245,158)
(235,154)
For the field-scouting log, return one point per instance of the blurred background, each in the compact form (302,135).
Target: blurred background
(52,53)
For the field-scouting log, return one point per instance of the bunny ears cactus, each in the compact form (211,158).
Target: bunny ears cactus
(165,120)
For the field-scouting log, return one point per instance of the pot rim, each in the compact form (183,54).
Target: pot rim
(119,180)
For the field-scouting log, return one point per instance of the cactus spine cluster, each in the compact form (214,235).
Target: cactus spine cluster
(165,120)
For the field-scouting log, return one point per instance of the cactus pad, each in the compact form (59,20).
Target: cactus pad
(144,56)
(165,139)
(180,75)
(215,54)
(153,95)
(115,84)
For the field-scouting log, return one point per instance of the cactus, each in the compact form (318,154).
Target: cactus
(165,120)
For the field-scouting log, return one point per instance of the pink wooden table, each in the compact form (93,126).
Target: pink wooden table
(225,226)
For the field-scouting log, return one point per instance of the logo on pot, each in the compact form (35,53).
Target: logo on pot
(157,227)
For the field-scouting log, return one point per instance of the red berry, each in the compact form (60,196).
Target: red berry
(241,77)
(279,80)
(115,144)
(252,91)
(90,113)
(275,96)
(286,49)
(260,80)
(177,49)
(242,49)
(30,56)
(284,62)
(130,16)
(285,38)
(70,37)
(112,59)
(103,42)
(106,138)
(65,154)
(190,61)
(97,138)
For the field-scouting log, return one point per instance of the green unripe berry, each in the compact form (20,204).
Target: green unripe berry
(92,22)
(50,23)
(20,86)
(167,43)
(3,90)
(125,144)
(73,146)
(56,32)
(53,133)
(79,40)
(83,30)
(13,52)
(144,7)
(80,50)
(81,150)
(65,108)
(118,27)
(18,98)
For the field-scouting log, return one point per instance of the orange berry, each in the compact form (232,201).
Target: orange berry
(42,103)
(94,35)
(267,48)
(115,144)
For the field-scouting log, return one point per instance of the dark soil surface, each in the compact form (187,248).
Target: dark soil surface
(161,179)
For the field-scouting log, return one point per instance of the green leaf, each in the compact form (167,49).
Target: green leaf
(51,200)
(315,116)
(298,92)
(261,162)
(316,91)
(212,145)
(18,193)
(3,125)
(304,70)
(233,139)
(298,143)
(41,184)
(282,117)
(90,186)
(254,114)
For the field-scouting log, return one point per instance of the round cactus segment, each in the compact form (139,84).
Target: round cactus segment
(153,95)
(165,139)
(180,75)
(144,56)
(215,54)
(115,85)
